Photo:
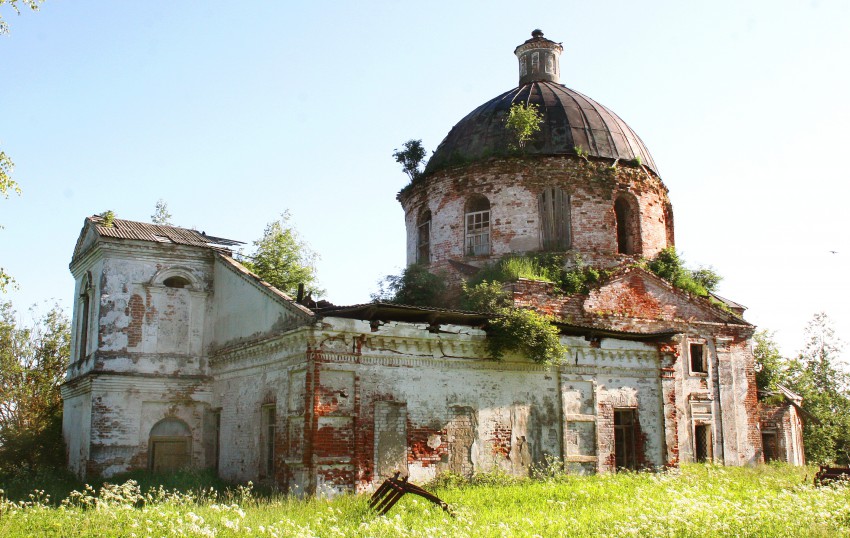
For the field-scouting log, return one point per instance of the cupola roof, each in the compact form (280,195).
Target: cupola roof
(570,119)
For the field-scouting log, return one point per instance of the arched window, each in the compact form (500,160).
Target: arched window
(477,217)
(628,236)
(423,238)
(84,313)
(170,445)
(176,282)
(554,206)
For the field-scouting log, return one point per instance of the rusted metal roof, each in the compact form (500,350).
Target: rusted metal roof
(144,231)
(436,316)
(570,120)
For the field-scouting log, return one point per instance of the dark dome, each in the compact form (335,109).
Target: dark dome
(570,120)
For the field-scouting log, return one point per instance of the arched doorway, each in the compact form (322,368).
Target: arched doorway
(170,445)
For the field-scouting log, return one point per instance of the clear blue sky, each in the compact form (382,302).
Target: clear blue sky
(236,111)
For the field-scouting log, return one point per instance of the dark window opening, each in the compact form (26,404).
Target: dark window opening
(771,446)
(698,362)
(625,446)
(477,219)
(702,442)
(555,229)
(423,239)
(85,314)
(176,282)
(626,228)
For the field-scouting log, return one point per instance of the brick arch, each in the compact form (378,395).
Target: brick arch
(627,224)
(176,272)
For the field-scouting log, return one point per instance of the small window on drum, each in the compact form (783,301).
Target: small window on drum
(423,238)
(477,217)
(176,282)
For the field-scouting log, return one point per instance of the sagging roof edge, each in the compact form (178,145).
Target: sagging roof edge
(436,316)
(264,286)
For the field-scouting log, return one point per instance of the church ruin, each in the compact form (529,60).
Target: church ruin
(182,357)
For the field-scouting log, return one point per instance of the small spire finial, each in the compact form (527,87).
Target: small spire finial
(537,33)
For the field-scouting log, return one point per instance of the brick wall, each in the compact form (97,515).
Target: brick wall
(512,187)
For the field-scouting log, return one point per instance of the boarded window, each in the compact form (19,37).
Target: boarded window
(477,219)
(555,231)
(170,445)
(390,438)
(702,442)
(268,440)
(698,359)
(535,62)
(624,439)
(423,238)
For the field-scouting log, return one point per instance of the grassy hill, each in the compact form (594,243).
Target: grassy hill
(696,500)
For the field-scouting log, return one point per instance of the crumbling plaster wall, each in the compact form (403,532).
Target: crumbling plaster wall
(362,404)
(246,310)
(246,379)
(146,327)
(146,361)
(512,186)
(125,408)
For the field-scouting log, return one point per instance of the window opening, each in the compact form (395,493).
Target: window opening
(478,227)
(702,442)
(85,314)
(423,239)
(555,228)
(698,362)
(269,441)
(625,226)
(770,444)
(624,439)
(535,62)
(176,282)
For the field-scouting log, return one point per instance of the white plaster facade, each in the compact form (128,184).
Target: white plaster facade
(334,399)
(181,357)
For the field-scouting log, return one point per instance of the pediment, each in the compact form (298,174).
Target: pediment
(635,293)
(88,236)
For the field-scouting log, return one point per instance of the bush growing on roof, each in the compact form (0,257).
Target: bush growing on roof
(415,286)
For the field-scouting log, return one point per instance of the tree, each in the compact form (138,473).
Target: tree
(161,215)
(415,286)
(769,363)
(7,185)
(524,121)
(283,260)
(817,377)
(32,366)
(32,4)
(411,158)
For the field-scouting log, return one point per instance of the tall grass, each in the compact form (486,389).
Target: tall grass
(698,500)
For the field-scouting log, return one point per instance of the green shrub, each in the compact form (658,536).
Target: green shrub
(415,286)
(485,297)
(527,332)
(668,265)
